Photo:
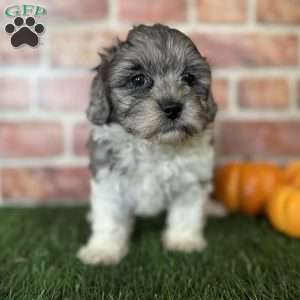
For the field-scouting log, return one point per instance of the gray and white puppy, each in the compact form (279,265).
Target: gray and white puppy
(151,144)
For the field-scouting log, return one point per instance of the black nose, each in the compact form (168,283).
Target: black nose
(172,110)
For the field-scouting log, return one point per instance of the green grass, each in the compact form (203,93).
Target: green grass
(245,259)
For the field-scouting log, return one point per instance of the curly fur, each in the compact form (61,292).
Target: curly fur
(141,161)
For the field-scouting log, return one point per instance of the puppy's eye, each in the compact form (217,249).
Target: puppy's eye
(138,80)
(189,79)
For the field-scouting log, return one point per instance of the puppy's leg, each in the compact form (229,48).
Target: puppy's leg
(185,221)
(111,226)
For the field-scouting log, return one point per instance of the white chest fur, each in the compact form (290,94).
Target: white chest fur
(147,176)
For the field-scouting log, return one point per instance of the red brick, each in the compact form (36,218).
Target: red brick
(250,50)
(15,93)
(68,94)
(152,11)
(30,139)
(220,93)
(16,56)
(78,48)
(260,139)
(46,184)
(78,9)
(222,11)
(80,138)
(279,11)
(264,93)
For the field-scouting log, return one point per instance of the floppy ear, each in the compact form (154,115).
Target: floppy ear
(99,108)
(212,107)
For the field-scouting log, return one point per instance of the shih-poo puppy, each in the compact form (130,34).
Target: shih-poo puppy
(151,144)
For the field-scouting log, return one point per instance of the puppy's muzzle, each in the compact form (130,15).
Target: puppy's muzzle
(171,109)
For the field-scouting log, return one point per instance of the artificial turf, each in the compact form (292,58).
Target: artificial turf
(245,259)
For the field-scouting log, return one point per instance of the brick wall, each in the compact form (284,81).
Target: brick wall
(253,46)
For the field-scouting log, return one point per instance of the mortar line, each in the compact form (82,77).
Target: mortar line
(259,115)
(191,13)
(293,95)
(22,71)
(42,116)
(251,9)
(233,106)
(298,49)
(35,162)
(242,72)
(189,27)
(280,160)
(113,20)
(275,71)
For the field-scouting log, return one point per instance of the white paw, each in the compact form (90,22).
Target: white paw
(93,254)
(215,209)
(185,243)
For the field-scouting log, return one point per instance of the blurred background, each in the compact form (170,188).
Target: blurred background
(252,45)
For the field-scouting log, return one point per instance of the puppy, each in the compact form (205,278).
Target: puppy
(151,144)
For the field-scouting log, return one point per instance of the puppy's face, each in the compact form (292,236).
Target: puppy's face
(156,85)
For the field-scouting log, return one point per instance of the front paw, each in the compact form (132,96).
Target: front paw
(215,209)
(188,243)
(95,254)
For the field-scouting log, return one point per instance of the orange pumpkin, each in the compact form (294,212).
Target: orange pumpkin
(246,186)
(292,174)
(283,210)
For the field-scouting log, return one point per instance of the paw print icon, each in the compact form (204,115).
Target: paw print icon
(24,32)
